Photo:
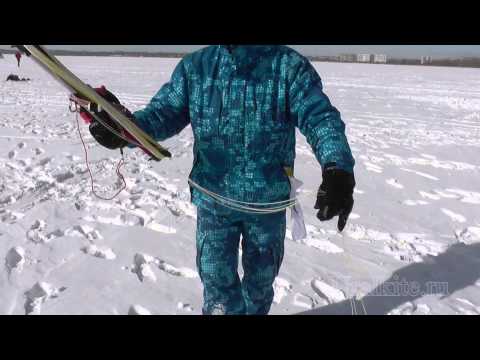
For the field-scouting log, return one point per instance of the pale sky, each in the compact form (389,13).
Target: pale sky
(405,51)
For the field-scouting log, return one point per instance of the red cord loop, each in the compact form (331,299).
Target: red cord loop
(119,174)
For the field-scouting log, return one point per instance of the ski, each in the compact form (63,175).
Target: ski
(79,89)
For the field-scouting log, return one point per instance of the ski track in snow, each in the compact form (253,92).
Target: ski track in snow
(414,132)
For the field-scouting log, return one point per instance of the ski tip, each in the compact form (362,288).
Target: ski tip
(166,153)
(163,154)
(22,48)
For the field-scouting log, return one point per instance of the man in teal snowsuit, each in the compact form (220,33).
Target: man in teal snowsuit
(244,103)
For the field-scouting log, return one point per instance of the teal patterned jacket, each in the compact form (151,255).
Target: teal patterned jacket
(244,103)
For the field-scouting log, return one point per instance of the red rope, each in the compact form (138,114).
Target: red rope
(119,174)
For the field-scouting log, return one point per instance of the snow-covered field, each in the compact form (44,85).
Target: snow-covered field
(412,245)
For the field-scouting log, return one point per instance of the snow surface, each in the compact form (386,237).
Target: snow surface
(415,132)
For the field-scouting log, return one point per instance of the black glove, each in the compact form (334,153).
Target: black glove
(105,136)
(335,196)
(102,134)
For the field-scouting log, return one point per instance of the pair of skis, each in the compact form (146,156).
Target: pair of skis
(84,96)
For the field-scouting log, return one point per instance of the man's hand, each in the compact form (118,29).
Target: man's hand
(103,135)
(335,196)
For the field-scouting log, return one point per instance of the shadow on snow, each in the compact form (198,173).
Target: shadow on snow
(455,269)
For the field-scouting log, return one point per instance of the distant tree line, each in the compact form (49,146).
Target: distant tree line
(108,53)
(473,62)
(464,62)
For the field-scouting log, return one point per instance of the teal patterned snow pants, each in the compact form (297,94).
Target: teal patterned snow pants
(218,240)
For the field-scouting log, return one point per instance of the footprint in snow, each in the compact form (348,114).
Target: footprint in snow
(359,232)
(414,202)
(373,168)
(25,162)
(62,177)
(327,292)
(138,310)
(184,307)
(281,289)
(469,235)
(422,174)
(10,217)
(394,183)
(413,247)
(317,239)
(422,309)
(429,196)
(120,220)
(73,158)
(466,302)
(15,259)
(99,252)
(153,225)
(462,311)
(454,216)
(84,231)
(142,268)
(305,301)
(35,233)
(38,235)
(38,294)
(354,216)
(44,161)
(469,197)
(39,151)
(172,270)
(410,308)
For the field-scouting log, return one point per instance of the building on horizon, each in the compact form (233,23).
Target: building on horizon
(380,59)
(347,58)
(424,60)
(364,58)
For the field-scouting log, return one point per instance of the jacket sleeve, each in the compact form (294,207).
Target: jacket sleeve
(167,113)
(317,119)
